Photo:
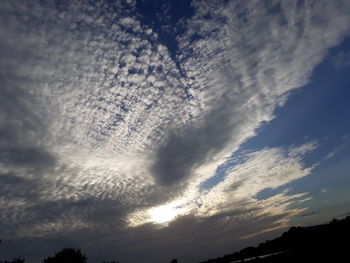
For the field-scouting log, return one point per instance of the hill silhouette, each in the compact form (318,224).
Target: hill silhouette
(321,243)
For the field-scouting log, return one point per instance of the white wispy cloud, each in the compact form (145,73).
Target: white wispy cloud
(256,171)
(341,59)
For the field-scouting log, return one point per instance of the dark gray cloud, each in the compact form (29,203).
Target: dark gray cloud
(310,214)
(26,157)
(191,147)
(13,186)
(23,122)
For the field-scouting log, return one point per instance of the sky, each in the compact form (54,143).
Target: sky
(142,131)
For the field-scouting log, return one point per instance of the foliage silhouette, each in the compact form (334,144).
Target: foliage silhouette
(67,255)
(328,242)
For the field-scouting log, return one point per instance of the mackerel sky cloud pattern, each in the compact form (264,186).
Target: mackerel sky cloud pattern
(109,136)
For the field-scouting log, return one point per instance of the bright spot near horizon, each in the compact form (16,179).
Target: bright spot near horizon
(159,215)
(164,214)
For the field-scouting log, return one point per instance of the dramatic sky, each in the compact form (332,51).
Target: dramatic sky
(145,130)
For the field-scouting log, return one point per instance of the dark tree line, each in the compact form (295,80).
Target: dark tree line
(329,242)
(66,255)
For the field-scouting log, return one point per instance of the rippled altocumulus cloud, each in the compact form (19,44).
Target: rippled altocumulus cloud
(99,124)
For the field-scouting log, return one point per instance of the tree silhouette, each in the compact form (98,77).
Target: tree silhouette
(67,255)
(319,243)
(174,260)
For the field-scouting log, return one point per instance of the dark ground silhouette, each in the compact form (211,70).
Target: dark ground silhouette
(67,255)
(322,243)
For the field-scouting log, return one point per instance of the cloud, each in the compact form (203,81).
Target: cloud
(310,214)
(341,59)
(191,147)
(100,123)
(246,66)
(252,173)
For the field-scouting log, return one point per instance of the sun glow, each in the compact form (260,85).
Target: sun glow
(164,214)
(159,215)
